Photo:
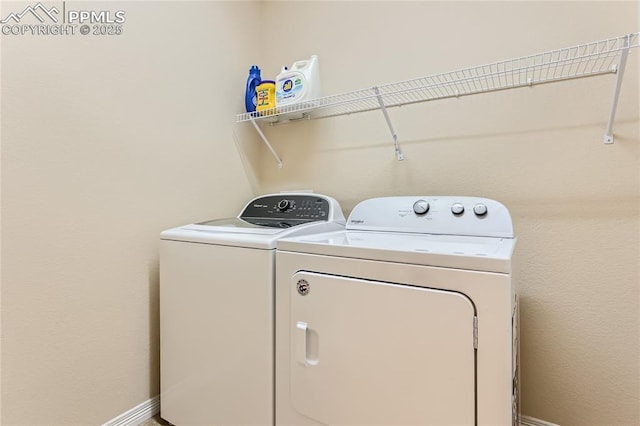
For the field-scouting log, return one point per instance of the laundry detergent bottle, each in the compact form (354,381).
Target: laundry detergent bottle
(298,83)
(253,81)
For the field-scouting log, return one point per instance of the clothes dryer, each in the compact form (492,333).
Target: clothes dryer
(216,309)
(407,317)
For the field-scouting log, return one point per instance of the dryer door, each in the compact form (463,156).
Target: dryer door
(375,353)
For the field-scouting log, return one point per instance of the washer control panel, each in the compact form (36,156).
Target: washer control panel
(286,207)
(446,215)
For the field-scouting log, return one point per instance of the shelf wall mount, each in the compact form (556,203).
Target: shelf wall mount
(619,70)
(266,142)
(394,136)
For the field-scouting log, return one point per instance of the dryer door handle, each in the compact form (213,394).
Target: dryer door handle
(302,343)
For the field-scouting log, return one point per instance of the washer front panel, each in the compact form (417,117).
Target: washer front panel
(216,336)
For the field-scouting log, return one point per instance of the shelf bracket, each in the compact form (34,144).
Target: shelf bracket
(266,142)
(383,108)
(624,53)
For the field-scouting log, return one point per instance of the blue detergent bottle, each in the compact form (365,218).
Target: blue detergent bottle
(253,81)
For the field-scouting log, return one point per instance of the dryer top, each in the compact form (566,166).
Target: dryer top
(440,215)
(455,232)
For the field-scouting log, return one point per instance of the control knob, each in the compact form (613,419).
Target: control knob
(284,205)
(420,207)
(480,209)
(457,209)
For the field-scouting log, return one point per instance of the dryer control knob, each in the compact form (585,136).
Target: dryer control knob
(480,209)
(283,205)
(420,207)
(457,209)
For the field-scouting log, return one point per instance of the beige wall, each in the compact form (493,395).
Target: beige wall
(539,150)
(106,141)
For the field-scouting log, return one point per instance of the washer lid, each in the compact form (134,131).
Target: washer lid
(265,219)
(491,254)
(231,232)
(236,226)
(249,225)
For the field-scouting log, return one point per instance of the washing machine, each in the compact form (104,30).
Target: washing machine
(217,309)
(407,317)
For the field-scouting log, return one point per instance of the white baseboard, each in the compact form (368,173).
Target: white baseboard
(150,408)
(530,421)
(137,414)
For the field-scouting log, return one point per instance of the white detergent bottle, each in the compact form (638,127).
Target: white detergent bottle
(299,83)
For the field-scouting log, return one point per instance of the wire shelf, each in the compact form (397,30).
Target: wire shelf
(585,60)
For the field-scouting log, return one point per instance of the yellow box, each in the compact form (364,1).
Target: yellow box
(266,96)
